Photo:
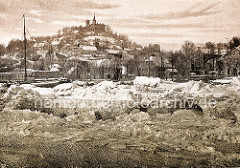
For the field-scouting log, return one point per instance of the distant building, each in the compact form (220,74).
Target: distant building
(206,61)
(66,48)
(95,26)
(229,64)
(61,58)
(113,53)
(87,51)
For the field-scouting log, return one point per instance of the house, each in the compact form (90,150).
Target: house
(229,64)
(88,51)
(113,53)
(54,44)
(129,51)
(127,56)
(55,67)
(207,61)
(67,48)
(117,47)
(61,58)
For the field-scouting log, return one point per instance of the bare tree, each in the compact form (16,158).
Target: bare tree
(2,50)
(189,50)
(211,49)
(234,42)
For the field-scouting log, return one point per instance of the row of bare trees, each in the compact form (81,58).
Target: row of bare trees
(187,56)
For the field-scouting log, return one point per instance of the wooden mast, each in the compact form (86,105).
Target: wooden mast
(25,48)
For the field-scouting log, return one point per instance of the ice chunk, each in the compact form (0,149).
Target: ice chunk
(149,81)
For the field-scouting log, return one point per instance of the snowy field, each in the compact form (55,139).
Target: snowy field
(145,122)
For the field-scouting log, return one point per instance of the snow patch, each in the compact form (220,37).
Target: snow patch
(149,81)
(63,89)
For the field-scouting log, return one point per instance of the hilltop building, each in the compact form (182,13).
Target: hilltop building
(95,26)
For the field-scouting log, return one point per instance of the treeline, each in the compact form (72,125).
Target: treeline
(188,55)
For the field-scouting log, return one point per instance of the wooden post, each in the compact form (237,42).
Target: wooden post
(25,48)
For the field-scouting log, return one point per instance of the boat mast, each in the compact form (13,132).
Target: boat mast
(25,49)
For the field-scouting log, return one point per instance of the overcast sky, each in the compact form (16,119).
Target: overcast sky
(166,22)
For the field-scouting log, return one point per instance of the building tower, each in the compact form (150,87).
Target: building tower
(94,22)
(87,23)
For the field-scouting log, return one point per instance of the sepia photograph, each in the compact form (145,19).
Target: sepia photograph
(119,83)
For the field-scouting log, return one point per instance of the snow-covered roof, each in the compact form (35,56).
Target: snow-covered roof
(105,62)
(172,70)
(128,56)
(75,31)
(101,55)
(102,38)
(55,42)
(61,55)
(118,47)
(88,48)
(67,45)
(71,70)
(88,33)
(55,66)
(54,69)
(72,58)
(31,62)
(17,64)
(127,49)
(111,47)
(86,55)
(151,58)
(112,51)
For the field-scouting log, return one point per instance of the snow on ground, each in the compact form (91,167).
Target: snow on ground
(144,91)
(142,80)
(151,131)
(142,86)
(106,90)
(46,92)
(63,89)
(54,69)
